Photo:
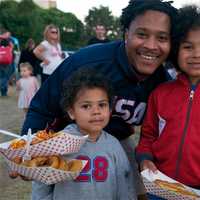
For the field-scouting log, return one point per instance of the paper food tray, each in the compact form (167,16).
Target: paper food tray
(152,188)
(46,175)
(63,143)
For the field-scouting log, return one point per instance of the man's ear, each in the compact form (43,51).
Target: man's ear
(70,113)
(126,36)
(110,112)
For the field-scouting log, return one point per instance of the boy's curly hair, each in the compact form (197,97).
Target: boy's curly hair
(83,78)
(188,19)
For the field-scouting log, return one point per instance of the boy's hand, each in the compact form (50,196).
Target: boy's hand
(14,175)
(147,164)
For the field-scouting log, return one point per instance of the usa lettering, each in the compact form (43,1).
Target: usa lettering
(129,111)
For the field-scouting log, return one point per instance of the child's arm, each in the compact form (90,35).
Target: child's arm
(149,134)
(18,87)
(148,164)
(42,191)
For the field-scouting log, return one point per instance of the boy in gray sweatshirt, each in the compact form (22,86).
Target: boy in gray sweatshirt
(86,98)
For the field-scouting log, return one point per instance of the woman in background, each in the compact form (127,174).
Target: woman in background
(49,51)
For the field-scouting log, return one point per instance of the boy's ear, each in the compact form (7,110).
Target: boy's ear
(70,113)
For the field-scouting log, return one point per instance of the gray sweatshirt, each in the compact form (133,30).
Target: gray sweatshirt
(107,175)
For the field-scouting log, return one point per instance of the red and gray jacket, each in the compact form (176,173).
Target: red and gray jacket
(171,131)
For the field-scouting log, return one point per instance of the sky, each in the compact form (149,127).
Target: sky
(80,7)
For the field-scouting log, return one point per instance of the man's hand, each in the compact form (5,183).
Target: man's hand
(147,164)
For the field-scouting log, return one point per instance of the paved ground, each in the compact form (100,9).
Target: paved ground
(11,119)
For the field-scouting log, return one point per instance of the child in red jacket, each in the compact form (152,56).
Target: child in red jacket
(171,130)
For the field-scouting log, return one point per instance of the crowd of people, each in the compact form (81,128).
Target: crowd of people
(106,90)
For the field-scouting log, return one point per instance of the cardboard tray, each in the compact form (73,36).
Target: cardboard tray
(46,175)
(63,143)
(152,188)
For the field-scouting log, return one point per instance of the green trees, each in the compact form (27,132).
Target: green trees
(26,20)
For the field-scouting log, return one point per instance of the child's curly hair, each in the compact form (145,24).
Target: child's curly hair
(83,78)
(188,19)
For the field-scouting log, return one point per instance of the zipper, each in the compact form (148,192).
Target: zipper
(192,91)
(191,95)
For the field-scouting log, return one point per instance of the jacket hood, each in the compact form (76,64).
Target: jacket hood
(72,129)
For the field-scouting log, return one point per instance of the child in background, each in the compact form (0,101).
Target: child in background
(27,86)
(170,133)
(107,176)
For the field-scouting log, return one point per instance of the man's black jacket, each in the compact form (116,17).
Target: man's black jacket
(130,95)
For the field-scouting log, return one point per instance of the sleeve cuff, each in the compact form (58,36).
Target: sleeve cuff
(143,156)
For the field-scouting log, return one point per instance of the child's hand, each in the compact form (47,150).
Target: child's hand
(14,175)
(18,86)
(148,164)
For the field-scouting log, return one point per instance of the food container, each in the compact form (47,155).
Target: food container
(149,180)
(46,175)
(62,143)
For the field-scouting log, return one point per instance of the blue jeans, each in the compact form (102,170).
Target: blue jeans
(11,70)
(153,197)
(4,77)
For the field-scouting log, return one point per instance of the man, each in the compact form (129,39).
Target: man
(133,65)
(100,37)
